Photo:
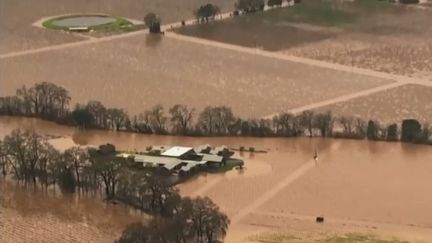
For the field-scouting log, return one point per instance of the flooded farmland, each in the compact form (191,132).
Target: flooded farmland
(17,18)
(32,215)
(135,76)
(374,186)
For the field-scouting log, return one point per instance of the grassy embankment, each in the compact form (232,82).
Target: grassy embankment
(119,25)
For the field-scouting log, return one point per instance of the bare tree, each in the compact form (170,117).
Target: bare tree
(99,112)
(324,122)
(157,119)
(181,118)
(77,158)
(116,118)
(109,171)
(347,124)
(360,127)
(44,100)
(27,153)
(307,121)
(216,120)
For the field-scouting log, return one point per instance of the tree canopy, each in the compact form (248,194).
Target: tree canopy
(153,22)
(194,220)
(250,5)
(411,130)
(207,11)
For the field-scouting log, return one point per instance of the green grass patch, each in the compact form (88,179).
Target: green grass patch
(276,238)
(318,12)
(370,5)
(359,238)
(324,12)
(347,238)
(119,25)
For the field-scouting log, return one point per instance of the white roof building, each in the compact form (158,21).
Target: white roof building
(176,151)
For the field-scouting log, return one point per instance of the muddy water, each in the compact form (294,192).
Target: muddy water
(377,182)
(33,215)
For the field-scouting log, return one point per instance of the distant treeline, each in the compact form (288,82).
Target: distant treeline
(50,102)
(30,160)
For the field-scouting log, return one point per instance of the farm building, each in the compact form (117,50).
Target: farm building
(183,160)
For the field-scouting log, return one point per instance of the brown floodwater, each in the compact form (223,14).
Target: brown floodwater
(376,182)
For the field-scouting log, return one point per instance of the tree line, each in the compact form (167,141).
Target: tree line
(51,102)
(29,159)
(209,11)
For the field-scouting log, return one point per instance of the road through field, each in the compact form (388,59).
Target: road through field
(307,61)
(399,80)
(341,98)
(253,206)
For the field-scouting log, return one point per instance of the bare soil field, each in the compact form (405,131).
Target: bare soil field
(368,34)
(136,73)
(408,101)
(17,16)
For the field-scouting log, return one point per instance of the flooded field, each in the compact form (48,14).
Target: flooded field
(31,215)
(136,73)
(251,31)
(368,34)
(17,18)
(394,105)
(361,186)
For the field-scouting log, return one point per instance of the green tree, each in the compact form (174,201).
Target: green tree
(249,5)
(207,11)
(392,132)
(411,130)
(372,130)
(82,117)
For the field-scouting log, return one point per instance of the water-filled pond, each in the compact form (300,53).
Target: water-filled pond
(83,21)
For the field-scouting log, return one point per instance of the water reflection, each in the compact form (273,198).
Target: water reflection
(86,208)
(153,40)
